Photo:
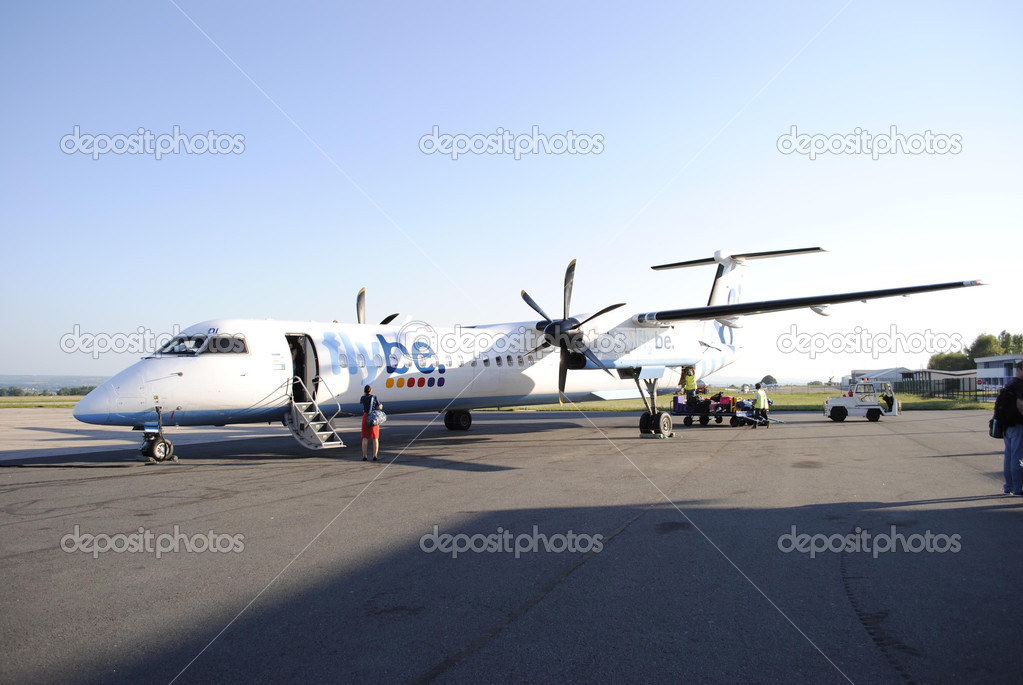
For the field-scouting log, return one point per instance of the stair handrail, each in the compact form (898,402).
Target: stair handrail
(312,401)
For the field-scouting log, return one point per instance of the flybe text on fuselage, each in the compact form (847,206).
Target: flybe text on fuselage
(353,355)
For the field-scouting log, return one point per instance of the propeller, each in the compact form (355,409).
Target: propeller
(360,310)
(566,333)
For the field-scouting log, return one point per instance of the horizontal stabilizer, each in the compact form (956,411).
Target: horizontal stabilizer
(742,257)
(743,308)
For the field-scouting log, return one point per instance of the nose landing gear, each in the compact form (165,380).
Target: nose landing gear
(155,446)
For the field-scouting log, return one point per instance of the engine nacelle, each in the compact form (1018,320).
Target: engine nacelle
(648,320)
(576,361)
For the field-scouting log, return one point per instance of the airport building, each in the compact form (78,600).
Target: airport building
(886,375)
(926,382)
(995,372)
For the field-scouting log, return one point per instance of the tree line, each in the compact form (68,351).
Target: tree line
(985,345)
(15,391)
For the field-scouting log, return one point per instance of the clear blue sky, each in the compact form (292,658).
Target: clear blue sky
(332,192)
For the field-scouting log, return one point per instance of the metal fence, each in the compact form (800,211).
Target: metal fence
(946,389)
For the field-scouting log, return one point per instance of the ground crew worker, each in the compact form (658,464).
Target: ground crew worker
(760,407)
(690,385)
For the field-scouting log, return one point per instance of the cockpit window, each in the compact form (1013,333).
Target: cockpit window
(226,344)
(191,345)
(183,345)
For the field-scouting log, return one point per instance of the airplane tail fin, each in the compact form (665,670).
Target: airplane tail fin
(727,285)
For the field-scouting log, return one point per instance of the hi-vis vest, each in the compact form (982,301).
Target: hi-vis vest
(760,401)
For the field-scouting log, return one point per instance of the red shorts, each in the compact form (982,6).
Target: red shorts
(368,431)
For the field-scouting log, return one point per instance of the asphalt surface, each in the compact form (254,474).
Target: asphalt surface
(320,571)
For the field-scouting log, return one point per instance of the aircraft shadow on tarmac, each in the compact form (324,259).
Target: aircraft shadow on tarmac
(399,437)
(663,599)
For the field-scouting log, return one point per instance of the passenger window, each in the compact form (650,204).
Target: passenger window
(497,360)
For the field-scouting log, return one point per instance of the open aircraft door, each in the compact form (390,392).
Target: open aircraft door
(305,375)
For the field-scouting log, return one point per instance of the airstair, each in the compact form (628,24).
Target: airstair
(308,423)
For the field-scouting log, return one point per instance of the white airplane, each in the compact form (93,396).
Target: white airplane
(310,375)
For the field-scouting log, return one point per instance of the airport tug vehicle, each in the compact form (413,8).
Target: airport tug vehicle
(870,399)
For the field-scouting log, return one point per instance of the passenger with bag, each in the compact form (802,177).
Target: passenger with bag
(372,416)
(1008,420)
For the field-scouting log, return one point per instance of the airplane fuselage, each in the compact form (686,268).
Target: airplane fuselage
(246,371)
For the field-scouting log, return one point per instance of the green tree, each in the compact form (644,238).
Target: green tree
(1012,343)
(950,361)
(1005,340)
(769,380)
(986,345)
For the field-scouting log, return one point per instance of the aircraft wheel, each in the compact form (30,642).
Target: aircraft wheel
(704,420)
(646,422)
(158,449)
(873,414)
(462,420)
(662,423)
(688,421)
(449,420)
(838,413)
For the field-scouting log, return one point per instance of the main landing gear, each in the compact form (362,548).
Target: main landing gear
(155,447)
(653,422)
(458,419)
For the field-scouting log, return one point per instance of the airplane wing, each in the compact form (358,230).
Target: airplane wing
(743,308)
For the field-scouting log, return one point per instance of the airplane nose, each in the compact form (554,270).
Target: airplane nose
(96,406)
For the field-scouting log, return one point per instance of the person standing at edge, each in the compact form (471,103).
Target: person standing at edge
(370,434)
(1013,434)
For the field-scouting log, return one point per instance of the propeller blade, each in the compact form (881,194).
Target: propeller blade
(389,319)
(562,375)
(539,347)
(535,306)
(605,310)
(569,280)
(360,306)
(596,360)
